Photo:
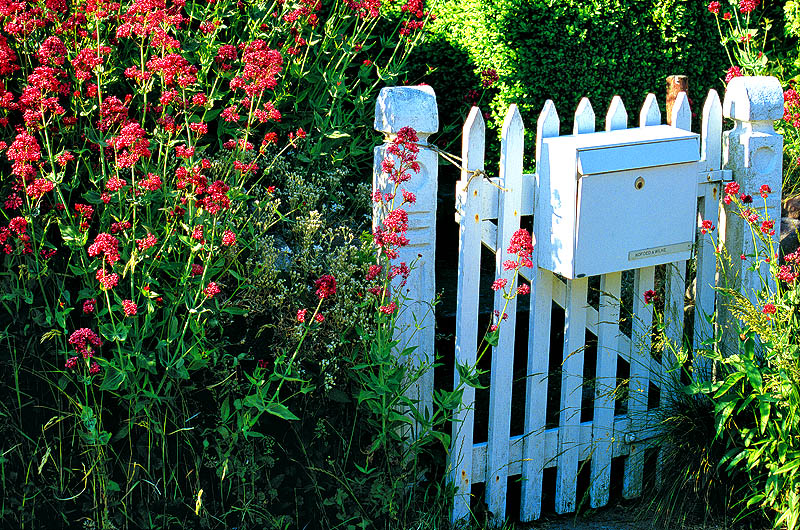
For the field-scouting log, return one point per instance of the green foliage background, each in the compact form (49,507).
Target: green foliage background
(566,49)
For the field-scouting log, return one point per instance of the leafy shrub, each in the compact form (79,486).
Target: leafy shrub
(564,50)
(757,395)
(139,139)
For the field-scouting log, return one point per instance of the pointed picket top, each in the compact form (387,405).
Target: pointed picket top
(584,118)
(547,125)
(650,113)
(617,116)
(512,121)
(682,113)
(474,134)
(711,130)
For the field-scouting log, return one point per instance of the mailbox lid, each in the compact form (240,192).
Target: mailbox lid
(626,149)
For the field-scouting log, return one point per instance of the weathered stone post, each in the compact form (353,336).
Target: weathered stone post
(754,152)
(398,107)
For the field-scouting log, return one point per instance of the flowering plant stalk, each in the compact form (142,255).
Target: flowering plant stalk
(135,135)
(757,395)
(743,34)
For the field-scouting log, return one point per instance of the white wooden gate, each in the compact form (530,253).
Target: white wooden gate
(489,210)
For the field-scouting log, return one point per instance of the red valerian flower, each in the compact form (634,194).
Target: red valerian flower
(211,290)
(129,307)
(107,280)
(706,226)
(786,274)
(521,243)
(489,77)
(499,283)
(107,245)
(769,309)
(301,315)
(147,242)
(319,318)
(18,225)
(326,286)
(228,238)
(94,369)
(85,341)
(748,6)
(89,306)
(733,71)
(765,190)
(767,227)
(732,188)
(650,296)
(388,309)
(130,145)
(151,183)
(39,187)
(713,7)
(197,269)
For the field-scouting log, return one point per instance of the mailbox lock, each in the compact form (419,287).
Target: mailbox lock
(639,183)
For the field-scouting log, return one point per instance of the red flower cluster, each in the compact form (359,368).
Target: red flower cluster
(89,306)
(22,151)
(130,145)
(148,242)
(211,290)
(365,8)
(108,280)
(521,244)
(733,71)
(107,245)
(325,286)
(129,307)
(261,68)
(791,107)
(489,77)
(228,238)
(405,150)
(85,341)
(650,296)
(499,283)
(748,6)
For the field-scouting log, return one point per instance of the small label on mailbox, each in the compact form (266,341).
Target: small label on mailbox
(659,251)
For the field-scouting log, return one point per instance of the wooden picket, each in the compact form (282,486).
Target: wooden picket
(489,211)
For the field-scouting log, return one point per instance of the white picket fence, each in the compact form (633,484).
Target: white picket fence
(489,211)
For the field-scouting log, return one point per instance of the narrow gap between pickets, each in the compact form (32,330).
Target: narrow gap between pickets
(554,366)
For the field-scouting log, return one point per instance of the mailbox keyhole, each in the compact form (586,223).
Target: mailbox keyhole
(639,183)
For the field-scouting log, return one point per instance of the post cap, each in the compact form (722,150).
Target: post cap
(757,98)
(407,106)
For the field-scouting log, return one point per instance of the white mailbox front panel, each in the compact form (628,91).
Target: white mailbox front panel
(616,200)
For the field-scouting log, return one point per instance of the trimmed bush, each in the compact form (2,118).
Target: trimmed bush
(566,49)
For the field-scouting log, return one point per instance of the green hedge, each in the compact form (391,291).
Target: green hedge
(566,49)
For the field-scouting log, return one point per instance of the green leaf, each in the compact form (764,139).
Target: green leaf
(336,134)
(280,410)
(764,409)
(493,337)
(72,236)
(112,378)
(731,380)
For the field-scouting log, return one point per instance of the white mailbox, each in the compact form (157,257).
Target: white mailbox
(618,200)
